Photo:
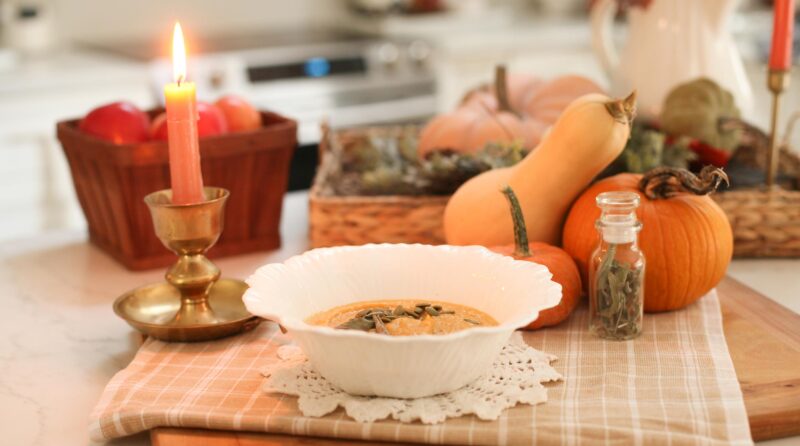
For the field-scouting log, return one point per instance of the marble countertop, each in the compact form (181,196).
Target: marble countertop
(70,68)
(60,342)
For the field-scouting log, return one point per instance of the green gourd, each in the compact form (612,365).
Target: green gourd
(697,109)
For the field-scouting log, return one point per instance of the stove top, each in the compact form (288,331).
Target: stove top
(327,75)
(161,47)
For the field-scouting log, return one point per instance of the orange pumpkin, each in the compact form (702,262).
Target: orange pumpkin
(540,103)
(470,127)
(519,86)
(545,103)
(686,237)
(519,107)
(560,264)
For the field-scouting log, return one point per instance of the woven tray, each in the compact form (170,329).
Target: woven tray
(766,222)
(356,220)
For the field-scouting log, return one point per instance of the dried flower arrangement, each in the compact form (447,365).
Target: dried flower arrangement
(381,162)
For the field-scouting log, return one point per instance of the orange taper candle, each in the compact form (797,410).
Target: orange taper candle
(184,151)
(780,55)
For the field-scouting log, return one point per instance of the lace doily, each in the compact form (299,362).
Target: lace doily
(516,377)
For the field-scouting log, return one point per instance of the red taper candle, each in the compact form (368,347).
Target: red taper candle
(184,150)
(780,55)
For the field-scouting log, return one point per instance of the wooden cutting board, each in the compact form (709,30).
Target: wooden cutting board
(763,338)
(764,341)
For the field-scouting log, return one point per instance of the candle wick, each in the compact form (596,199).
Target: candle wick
(180,80)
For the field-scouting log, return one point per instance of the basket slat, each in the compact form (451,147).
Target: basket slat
(360,220)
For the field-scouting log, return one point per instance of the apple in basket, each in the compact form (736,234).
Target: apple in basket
(118,122)
(403,321)
(124,123)
(240,114)
(211,121)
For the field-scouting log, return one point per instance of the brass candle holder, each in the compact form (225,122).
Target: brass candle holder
(194,304)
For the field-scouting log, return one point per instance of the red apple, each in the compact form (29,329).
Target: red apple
(240,114)
(210,122)
(158,129)
(118,122)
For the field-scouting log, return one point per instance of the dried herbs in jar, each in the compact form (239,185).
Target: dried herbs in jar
(616,273)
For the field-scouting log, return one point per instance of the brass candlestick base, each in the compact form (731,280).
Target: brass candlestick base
(194,305)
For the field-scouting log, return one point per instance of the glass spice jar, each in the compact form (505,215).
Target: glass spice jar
(616,269)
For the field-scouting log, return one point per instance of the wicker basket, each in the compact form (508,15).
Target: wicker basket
(112,180)
(766,223)
(356,220)
(359,220)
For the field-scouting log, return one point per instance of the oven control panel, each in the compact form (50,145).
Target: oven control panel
(348,82)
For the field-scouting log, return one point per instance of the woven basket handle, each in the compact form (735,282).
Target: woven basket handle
(322,147)
(787,140)
(787,136)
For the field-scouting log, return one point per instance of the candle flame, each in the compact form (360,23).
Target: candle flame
(178,55)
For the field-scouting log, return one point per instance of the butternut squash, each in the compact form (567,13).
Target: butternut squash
(585,139)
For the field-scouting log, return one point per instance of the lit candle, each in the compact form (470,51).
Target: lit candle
(780,55)
(184,151)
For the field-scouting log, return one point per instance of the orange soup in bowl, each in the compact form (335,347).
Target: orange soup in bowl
(403,317)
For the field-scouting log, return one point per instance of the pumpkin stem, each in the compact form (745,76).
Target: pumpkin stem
(521,247)
(501,89)
(623,110)
(665,182)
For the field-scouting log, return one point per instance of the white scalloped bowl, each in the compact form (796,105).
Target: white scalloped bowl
(361,363)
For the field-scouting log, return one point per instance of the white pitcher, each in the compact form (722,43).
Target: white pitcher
(670,42)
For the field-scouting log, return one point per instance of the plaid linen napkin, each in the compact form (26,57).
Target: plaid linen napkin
(673,385)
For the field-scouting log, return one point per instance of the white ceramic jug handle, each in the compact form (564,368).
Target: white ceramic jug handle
(602,18)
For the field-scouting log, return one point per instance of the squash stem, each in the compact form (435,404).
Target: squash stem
(623,110)
(521,247)
(501,89)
